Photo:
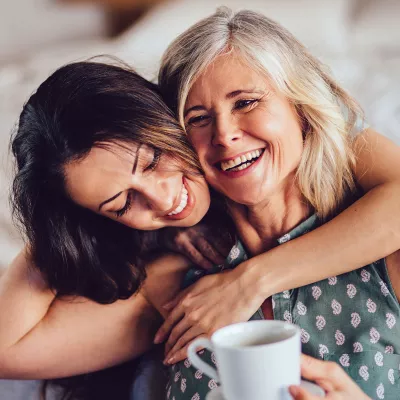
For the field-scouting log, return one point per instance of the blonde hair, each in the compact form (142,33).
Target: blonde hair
(328,114)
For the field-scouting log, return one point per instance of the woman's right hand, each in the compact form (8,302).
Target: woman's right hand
(200,244)
(329,376)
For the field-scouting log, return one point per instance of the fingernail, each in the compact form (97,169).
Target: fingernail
(168,361)
(157,339)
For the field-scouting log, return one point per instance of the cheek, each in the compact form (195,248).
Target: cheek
(286,134)
(138,219)
(205,194)
(200,142)
(201,147)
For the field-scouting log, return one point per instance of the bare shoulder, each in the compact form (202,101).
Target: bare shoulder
(393,266)
(22,275)
(167,263)
(377,159)
(164,279)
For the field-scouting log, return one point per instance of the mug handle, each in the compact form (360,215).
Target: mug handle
(198,362)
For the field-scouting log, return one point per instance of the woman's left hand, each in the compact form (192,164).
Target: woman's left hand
(211,303)
(329,376)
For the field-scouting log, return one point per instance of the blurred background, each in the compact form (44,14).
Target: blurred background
(359,39)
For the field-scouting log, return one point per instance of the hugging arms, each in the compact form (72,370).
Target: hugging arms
(32,315)
(138,203)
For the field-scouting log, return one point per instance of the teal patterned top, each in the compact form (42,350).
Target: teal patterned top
(352,319)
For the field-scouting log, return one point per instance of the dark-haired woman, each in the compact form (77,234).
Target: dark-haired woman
(95,146)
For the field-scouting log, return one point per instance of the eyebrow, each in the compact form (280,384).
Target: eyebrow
(236,93)
(110,199)
(194,108)
(230,95)
(135,164)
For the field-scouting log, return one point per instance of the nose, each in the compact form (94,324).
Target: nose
(226,131)
(159,193)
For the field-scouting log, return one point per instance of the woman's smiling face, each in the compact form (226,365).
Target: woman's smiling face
(248,136)
(137,186)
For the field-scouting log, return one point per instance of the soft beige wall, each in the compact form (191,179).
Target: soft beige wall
(27,25)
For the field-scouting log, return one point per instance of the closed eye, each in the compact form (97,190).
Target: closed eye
(126,207)
(156,158)
(150,167)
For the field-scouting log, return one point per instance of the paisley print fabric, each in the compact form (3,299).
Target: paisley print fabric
(352,319)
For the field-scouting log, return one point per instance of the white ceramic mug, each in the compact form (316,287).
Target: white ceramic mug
(257,360)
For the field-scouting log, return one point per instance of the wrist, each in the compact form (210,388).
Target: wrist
(253,281)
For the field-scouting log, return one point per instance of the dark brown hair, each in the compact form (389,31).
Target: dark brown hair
(80,106)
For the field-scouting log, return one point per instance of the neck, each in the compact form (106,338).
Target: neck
(262,224)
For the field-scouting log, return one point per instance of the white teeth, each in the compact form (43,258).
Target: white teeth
(182,203)
(243,166)
(240,160)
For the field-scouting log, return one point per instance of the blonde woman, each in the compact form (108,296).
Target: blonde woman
(278,137)
(66,171)
(75,247)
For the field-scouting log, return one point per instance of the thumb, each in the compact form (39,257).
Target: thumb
(298,393)
(171,304)
(174,302)
(313,369)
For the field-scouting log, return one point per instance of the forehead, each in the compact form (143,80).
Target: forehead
(104,157)
(103,166)
(227,73)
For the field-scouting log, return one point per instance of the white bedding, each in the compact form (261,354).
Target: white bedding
(372,75)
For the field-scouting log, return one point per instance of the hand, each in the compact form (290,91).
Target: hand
(211,303)
(198,243)
(331,377)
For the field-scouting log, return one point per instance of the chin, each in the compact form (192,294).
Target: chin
(241,195)
(195,219)
(246,201)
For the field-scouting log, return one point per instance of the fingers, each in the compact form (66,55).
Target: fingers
(176,334)
(329,375)
(196,256)
(173,303)
(223,246)
(182,354)
(209,251)
(298,393)
(173,318)
(180,349)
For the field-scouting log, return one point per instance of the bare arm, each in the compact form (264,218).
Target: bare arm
(365,232)
(164,282)
(46,337)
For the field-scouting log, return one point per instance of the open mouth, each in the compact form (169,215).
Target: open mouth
(182,203)
(240,162)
